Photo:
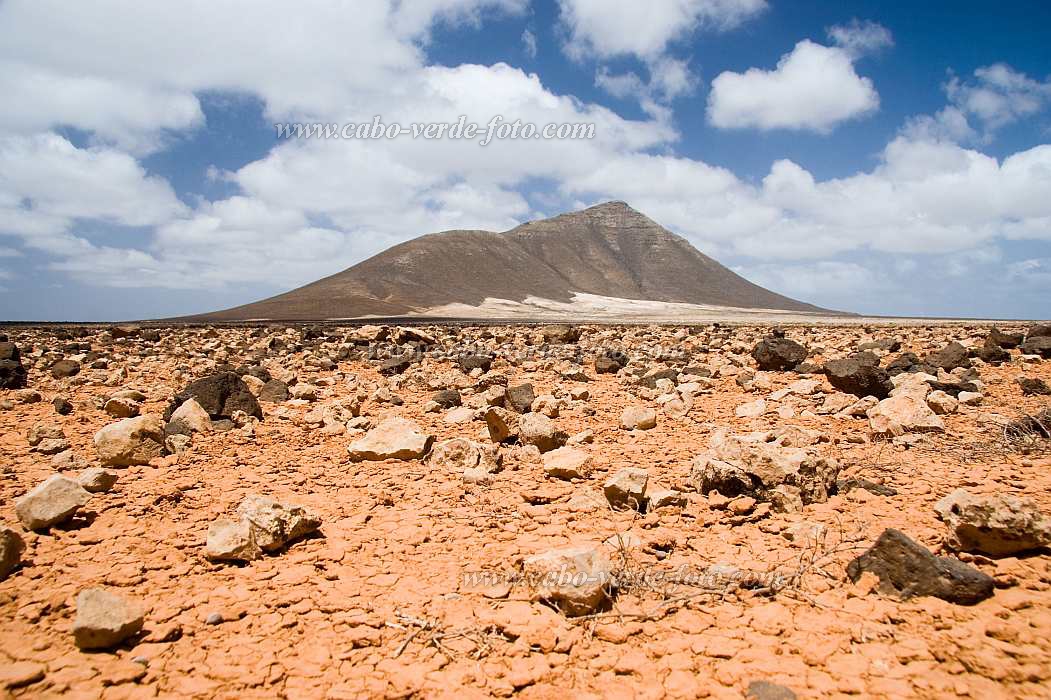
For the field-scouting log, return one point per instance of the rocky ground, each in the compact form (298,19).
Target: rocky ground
(613,511)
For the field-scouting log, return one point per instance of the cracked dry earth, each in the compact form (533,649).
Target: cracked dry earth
(379,602)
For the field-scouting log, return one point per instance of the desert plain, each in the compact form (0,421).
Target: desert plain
(528,510)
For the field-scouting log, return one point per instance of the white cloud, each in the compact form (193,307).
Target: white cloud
(47,184)
(607,29)
(999,96)
(860,38)
(813,88)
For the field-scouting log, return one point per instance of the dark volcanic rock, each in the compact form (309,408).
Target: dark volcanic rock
(992,352)
(1033,386)
(12,374)
(1038,345)
(219,395)
(610,362)
(950,357)
(862,380)
(447,398)
(1042,330)
(778,354)
(1003,340)
(65,368)
(62,406)
(908,362)
(274,391)
(477,361)
(907,569)
(396,365)
(952,388)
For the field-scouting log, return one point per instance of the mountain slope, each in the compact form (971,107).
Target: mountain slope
(609,250)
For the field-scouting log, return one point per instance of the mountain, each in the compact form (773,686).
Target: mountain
(609,251)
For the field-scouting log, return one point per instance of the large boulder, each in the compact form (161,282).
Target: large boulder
(1000,525)
(220,395)
(576,580)
(394,438)
(778,354)
(104,619)
(858,378)
(907,569)
(748,465)
(54,501)
(12,374)
(131,441)
(904,413)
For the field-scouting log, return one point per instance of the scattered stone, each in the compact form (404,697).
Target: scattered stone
(853,377)
(905,413)
(104,619)
(219,395)
(1039,345)
(275,524)
(131,441)
(942,403)
(274,391)
(230,540)
(1003,340)
(12,374)
(539,430)
(751,409)
(610,362)
(907,569)
(469,363)
(63,406)
(394,438)
(950,357)
(627,488)
(189,418)
(447,398)
(65,368)
(460,455)
(11,547)
(576,580)
(663,498)
(303,391)
(787,477)
(999,525)
(520,398)
(568,463)
(638,418)
(502,424)
(778,354)
(1032,386)
(120,407)
(560,334)
(52,502)
(97,479)
(970,398)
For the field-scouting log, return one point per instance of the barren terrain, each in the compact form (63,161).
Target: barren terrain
(420,579)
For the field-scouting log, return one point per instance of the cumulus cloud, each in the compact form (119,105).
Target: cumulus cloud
(812,88)
(996,96)
(603,29)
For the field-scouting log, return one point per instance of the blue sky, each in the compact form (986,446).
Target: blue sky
(877,157)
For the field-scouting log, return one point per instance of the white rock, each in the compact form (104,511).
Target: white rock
(394,438)
(52,502)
